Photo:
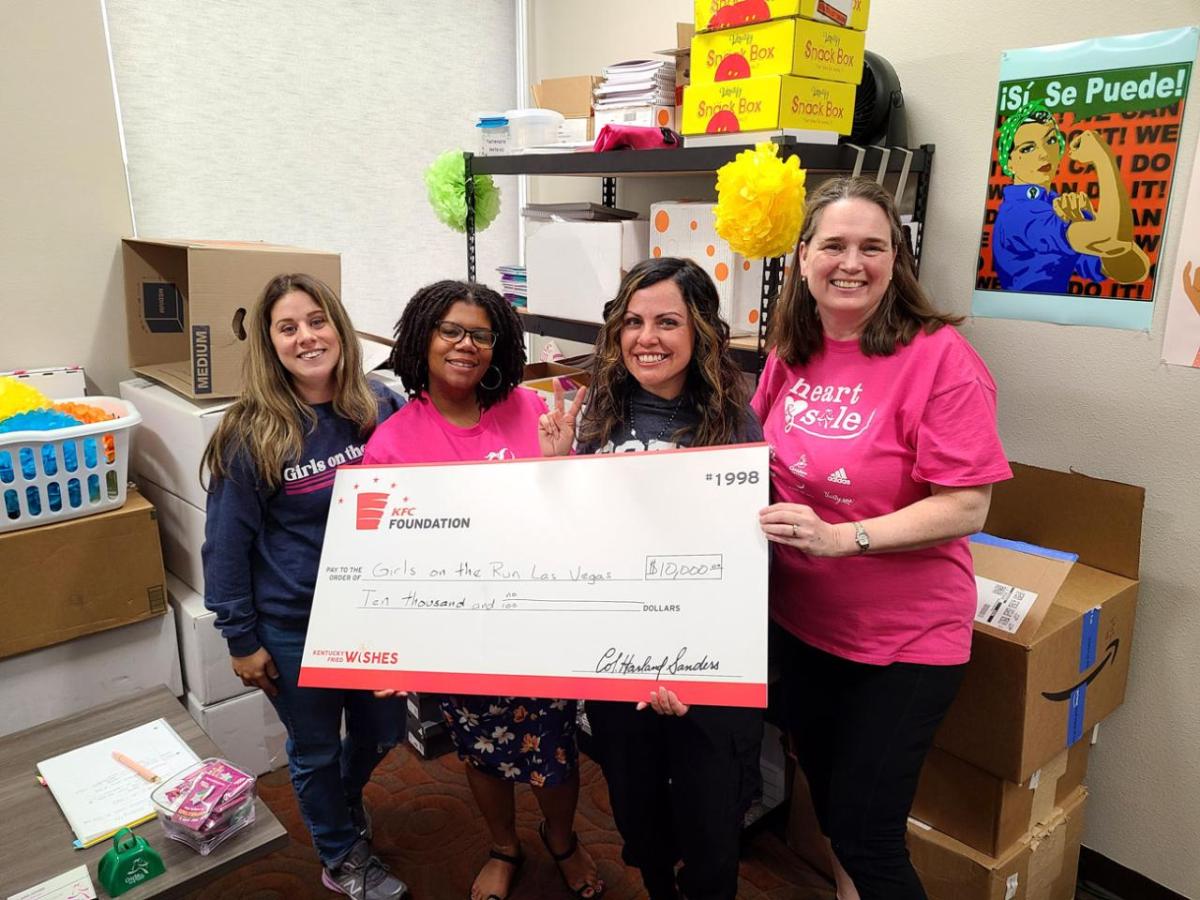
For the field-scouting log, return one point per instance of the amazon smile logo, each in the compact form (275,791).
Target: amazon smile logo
(1110,655)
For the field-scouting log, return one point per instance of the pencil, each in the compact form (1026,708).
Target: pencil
(135,766)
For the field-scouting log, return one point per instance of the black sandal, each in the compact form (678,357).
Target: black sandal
(515,862)
(560,858)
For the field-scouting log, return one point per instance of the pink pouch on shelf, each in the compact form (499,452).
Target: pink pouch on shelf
(636,137)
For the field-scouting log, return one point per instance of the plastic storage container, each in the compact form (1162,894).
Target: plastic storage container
(65,473)
(493,134)
(532,127)
(205,804)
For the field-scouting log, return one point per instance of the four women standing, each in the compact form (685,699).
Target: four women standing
(881,425)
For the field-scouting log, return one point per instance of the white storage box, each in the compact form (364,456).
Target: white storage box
(532,127)
(181,531)
(174,433)
(246,729)
(207,671)
(574,268)
(642,116)
(65,473)
(56,382)
(47,684)
(687,229)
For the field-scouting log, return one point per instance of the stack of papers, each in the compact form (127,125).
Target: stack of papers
(575,212)
(637,82)
(513,285)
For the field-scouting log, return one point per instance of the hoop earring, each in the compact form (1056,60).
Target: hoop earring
(499,378)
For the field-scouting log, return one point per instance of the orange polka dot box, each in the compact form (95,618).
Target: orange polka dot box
(686,228)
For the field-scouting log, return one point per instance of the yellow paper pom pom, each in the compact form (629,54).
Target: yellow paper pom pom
(18,397)
(760,202)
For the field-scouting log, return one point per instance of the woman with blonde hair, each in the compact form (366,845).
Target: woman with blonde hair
(305,410)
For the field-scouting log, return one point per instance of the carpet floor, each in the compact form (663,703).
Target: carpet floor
(428,830)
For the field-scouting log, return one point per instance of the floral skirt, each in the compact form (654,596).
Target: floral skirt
(518,738)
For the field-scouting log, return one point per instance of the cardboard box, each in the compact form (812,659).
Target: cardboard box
(181,531)
(762,104)
(53,682)
(642,116)
(56,382)
(207,672)
(571,96)
(712,15)
(1042,865)
(1026,699)
(186,302)
(168,446)
(988,813)
(245,729)
(574,268)
(688,229)
(783,47)
(67,579)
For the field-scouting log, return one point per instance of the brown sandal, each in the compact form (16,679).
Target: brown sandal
(580,891)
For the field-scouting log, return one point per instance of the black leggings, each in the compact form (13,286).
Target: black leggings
(862,732)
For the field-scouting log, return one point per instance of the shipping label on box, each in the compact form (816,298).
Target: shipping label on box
(688,229)
(1016,583)
(187,301)
(761,104)
(783,47)
(712,15)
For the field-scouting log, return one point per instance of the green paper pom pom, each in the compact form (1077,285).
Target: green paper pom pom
(446,179)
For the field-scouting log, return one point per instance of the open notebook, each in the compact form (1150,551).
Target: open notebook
(98,795)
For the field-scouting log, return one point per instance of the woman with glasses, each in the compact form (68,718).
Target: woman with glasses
(459,351)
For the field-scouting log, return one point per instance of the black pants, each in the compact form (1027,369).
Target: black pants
(680,786)
(862,732)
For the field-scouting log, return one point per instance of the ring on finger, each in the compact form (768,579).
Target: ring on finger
(795,533)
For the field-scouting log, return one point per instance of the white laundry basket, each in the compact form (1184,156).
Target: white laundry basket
(65,473)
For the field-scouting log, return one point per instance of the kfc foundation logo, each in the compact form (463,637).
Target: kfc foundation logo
(371,507)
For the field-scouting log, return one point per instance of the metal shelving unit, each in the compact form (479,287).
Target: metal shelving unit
(901,166)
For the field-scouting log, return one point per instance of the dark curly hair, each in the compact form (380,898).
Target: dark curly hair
(714,386)
(410,351)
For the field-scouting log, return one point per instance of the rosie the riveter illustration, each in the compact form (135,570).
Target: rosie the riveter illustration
(1042,238)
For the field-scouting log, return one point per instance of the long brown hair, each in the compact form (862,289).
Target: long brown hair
(269,420)
(714,386)
(795,325)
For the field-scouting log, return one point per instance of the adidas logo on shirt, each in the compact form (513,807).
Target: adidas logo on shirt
(839,477)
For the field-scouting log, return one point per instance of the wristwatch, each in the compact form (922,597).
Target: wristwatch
(861,538)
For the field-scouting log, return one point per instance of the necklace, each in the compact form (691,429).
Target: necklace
(661,431)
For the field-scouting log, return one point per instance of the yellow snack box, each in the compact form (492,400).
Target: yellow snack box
(782,47)
(712,15)
(772,101)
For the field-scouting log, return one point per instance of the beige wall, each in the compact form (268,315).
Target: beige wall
(63,199)
(1093,399)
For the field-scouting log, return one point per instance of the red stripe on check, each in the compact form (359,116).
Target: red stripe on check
(706,693)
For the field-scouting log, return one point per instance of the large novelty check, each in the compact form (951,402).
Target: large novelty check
(597,577)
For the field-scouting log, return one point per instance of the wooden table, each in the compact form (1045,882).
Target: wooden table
(36,841)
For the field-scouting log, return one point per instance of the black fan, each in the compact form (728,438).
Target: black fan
(879,106)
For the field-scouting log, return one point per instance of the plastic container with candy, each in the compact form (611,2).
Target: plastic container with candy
(205,804)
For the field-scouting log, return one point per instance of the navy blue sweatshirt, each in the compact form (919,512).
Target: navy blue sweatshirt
(262,547)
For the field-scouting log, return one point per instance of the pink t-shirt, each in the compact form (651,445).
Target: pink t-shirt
(417,433)
(855,437)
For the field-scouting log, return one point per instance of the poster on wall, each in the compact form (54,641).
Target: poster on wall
(1083,155)
(1181,341)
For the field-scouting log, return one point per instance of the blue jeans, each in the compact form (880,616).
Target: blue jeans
(328,772)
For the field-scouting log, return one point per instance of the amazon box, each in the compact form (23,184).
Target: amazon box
(82,576)
(986,812)
(186,304)
(1042,865)
(1028,695)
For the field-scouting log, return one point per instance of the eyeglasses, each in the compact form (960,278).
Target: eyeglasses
(453,333)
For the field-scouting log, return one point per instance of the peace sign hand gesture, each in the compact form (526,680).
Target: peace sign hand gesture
(556,428)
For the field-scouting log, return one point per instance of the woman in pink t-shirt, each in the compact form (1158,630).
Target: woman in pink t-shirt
(460,352)
(882,425)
